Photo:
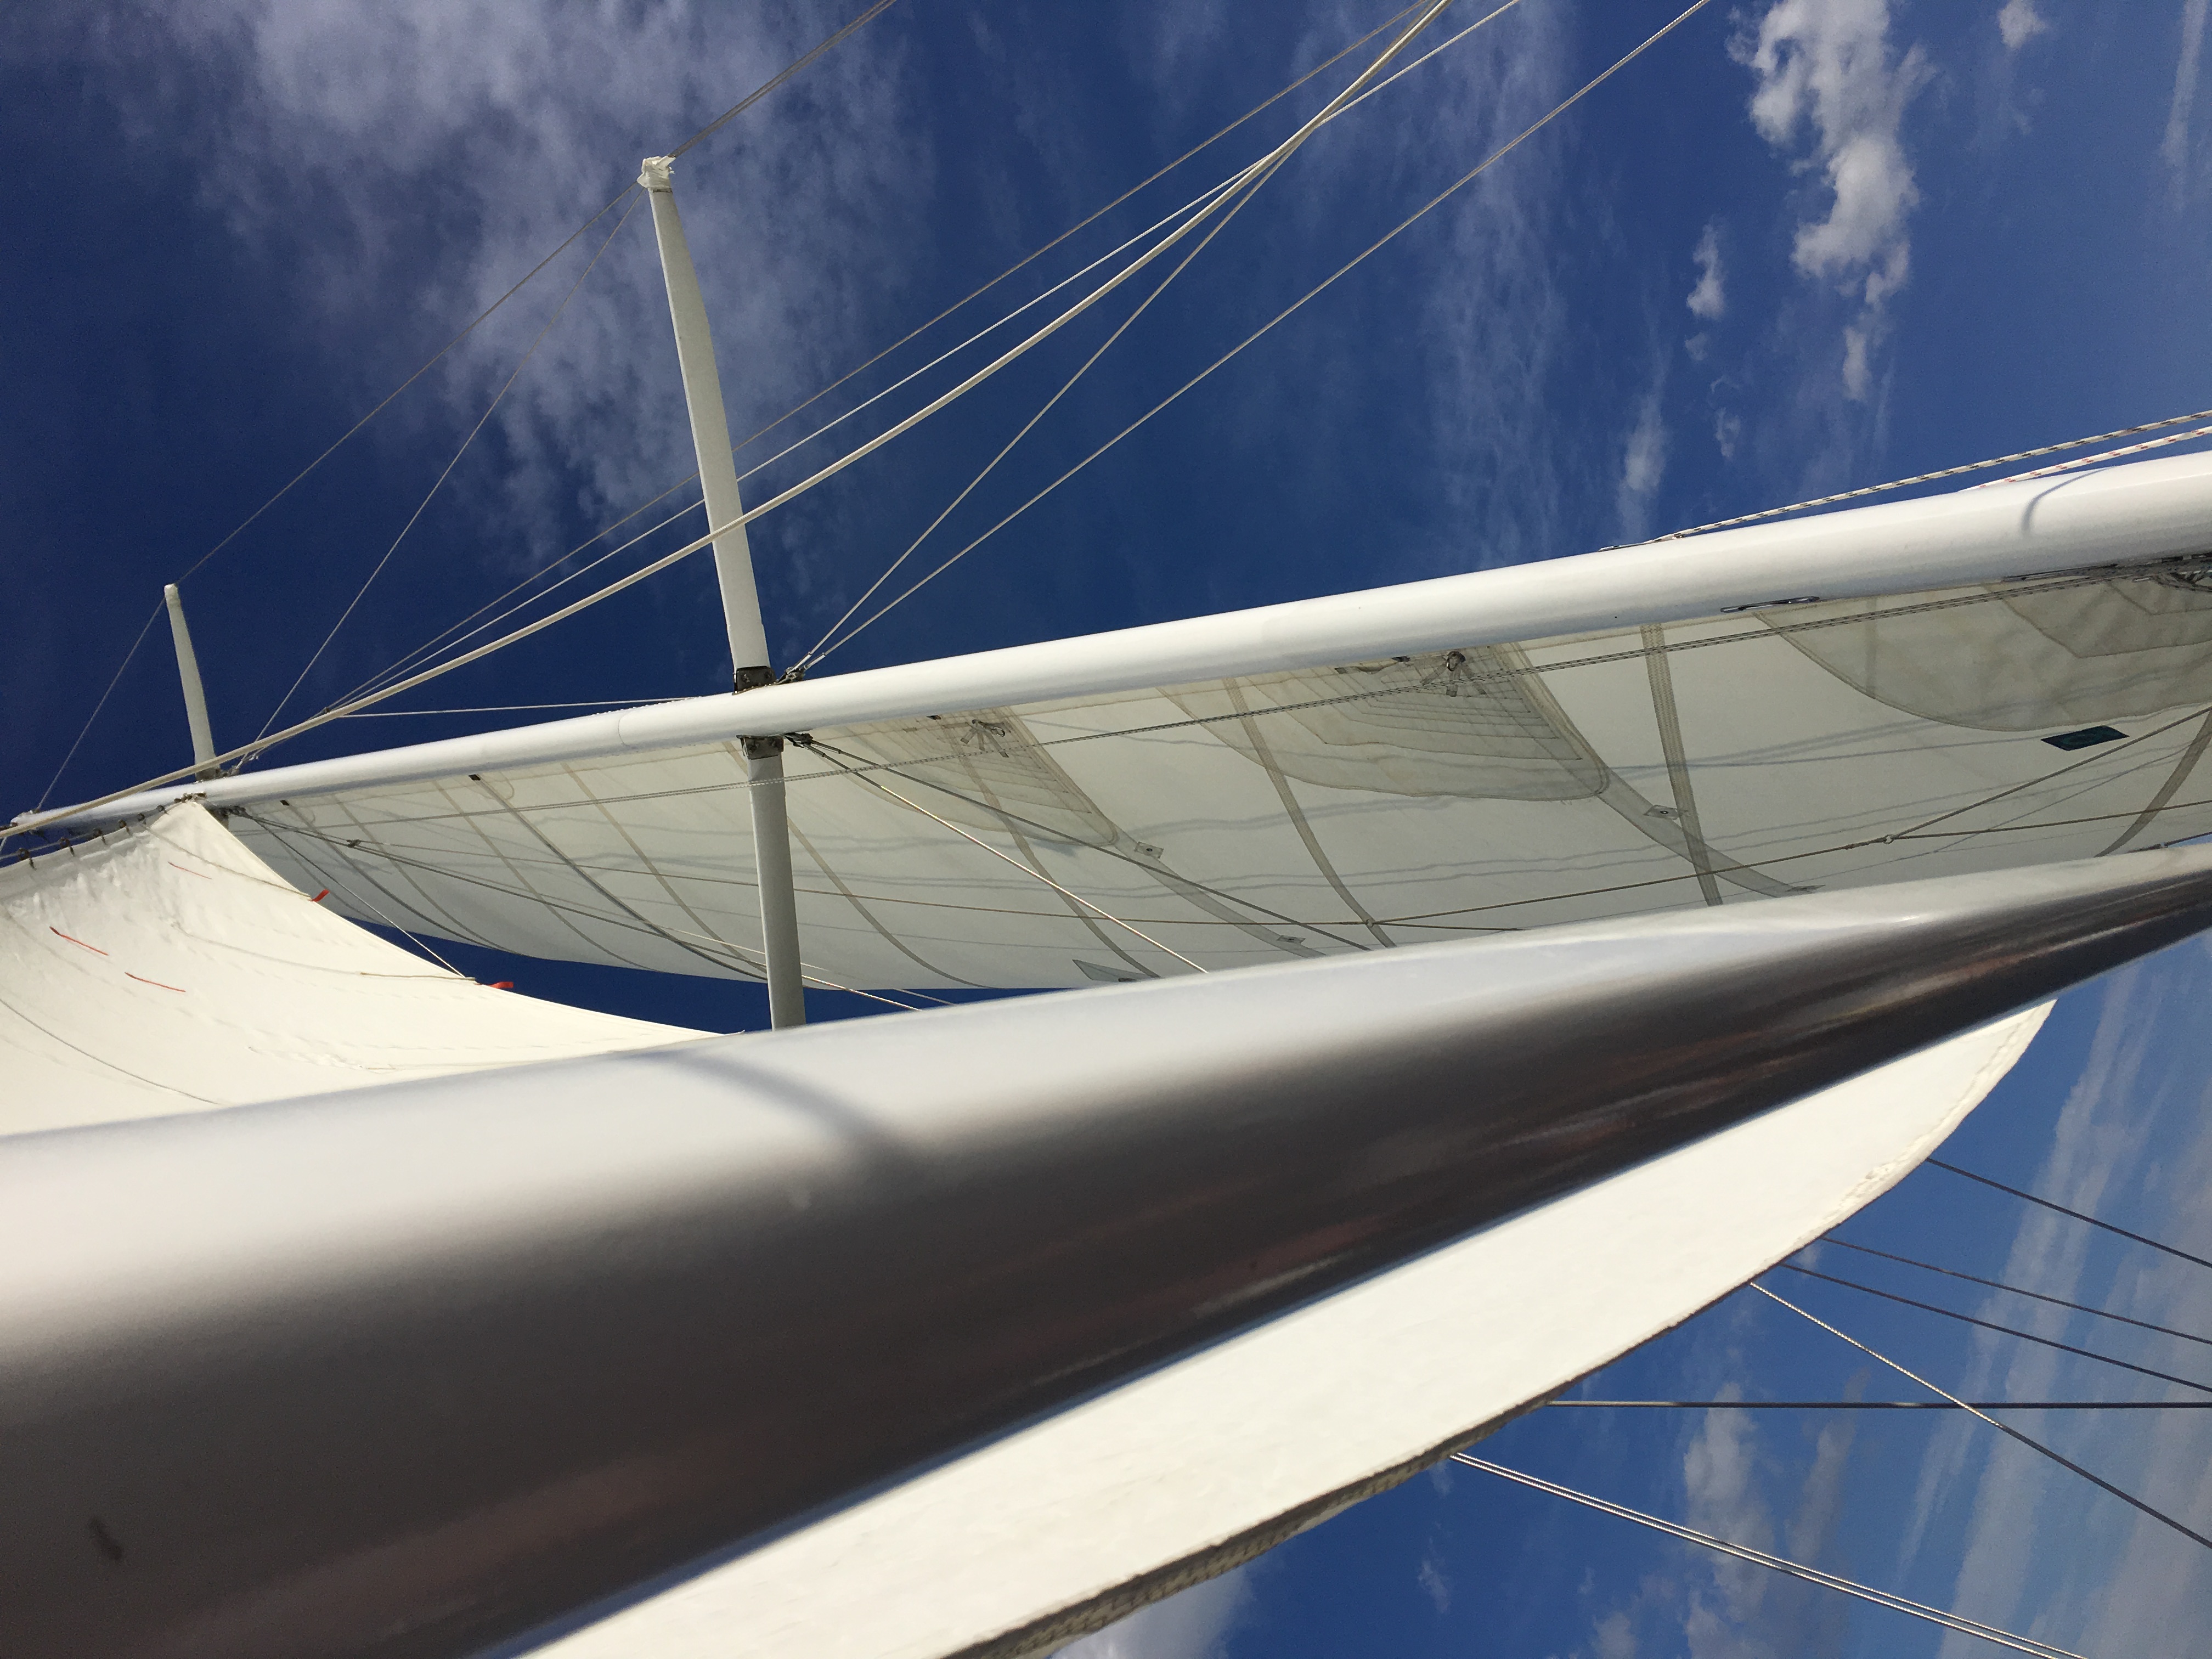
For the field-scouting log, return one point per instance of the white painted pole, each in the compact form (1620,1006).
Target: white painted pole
(188,671)
(710,430)
(741,612)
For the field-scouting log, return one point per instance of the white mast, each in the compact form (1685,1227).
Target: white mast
(188,671)
(733,571)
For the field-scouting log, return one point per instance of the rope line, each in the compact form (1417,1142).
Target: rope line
(2006,1429)
(2003,1330)
(779,77)
(423,506)
(85,731)
(1954,1621)
(1244,181)
(1901,1405)
(1462,182)
(1929,477)
(1995,1285)
(626,191)
(2077,1215)
(923,328)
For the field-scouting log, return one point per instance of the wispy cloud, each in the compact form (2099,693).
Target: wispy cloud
(1192,1624)
(1643,465)
(2019,22)
(1832,94)
(2176,148)
(1709,298)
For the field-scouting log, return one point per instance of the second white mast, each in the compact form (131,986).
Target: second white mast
(710,431)
(741,612)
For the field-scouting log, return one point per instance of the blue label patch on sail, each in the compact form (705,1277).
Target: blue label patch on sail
(2086,737)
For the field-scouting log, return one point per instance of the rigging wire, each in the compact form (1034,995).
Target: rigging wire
(1954,1621)
(85,731)
(742,104)
(766,87)
(2002,1428)
(1903,1405)
(1996,1285)
(2077,1215)
(2093,460)
(262,744)
(1465,179)
(1198,201)
(1248,182)
(1865,491)
(506,708)
(423,505)
(2005,1330)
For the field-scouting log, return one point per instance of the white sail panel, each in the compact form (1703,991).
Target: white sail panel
(1404,797)
(165,969)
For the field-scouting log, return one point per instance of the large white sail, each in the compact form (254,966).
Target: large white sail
(2000,678)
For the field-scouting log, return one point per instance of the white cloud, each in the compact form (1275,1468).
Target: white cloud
(1708,300)
(1188,1625)
(1642,466)
(1728,432)
(2186,63)
(1829,86)
(2019,22)
(1433,1581)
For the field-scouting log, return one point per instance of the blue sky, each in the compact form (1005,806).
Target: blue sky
(1801,245)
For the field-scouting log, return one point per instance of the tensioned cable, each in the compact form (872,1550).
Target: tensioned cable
(742,105)
(1954,1621)
(423,505)
(1237,183)
(1203,198)
(2007,1429)
(1461,183)
(262,744)
(506,708)
(2077,1215)
(1900,1404)
(2004,1330)
(1037,875)
(438,355)
(2080,461)
(1928,477)
(84,731)
(1998,1285)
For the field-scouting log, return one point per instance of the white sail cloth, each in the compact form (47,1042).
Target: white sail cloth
(2002,677)
(165,969)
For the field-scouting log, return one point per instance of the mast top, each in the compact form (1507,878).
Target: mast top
(653,172)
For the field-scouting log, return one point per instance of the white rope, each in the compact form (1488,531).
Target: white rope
(85,730)
(1958,1622)
(1234,183)
(1391,235)
(644,571)
(1865,491)
(1203,198)
(423,505)
(2092,460)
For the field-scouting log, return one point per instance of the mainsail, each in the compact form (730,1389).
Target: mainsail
(2004,677)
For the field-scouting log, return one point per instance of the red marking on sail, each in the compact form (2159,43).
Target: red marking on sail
(156,983)
(73,939)
(320,896)
(503,985)
(202,874)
